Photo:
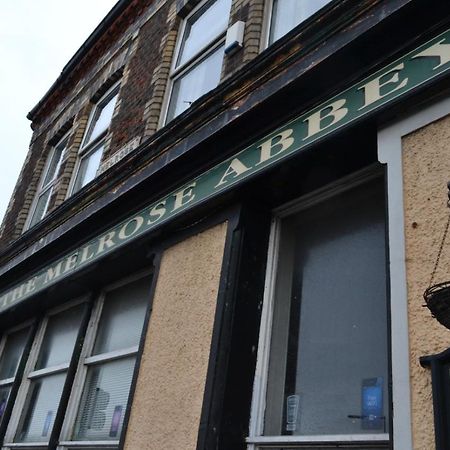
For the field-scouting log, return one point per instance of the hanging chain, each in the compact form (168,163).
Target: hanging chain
(441,247)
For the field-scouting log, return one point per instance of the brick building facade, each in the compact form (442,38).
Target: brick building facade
(222,229)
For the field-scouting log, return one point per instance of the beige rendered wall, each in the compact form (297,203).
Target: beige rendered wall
(169,392)
(426,166)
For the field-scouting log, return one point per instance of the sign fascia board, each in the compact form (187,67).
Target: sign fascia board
(428,62)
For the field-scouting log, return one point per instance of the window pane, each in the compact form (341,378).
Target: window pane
(10,358)
(287,14)
(104,401)
(4,394)
(328,367)
(193,84)
(55,162)
(123,317)
(102,118)
(59,339)
(113,447)
(341,447)
(203,27)
(41,207)
(88,168)
(40,409)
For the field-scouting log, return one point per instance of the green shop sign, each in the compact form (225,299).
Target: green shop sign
(395,80)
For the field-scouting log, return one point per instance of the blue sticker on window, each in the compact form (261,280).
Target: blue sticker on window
(115,422)
(372,404)
(47,423)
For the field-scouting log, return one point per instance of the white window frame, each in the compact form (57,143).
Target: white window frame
(88,147)
(8,382)
(42,189)
(29,374)
(178,72)
(390,152)
(256,439)
(267,22)
(85,361)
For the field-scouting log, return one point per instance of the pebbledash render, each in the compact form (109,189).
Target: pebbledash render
(223,229)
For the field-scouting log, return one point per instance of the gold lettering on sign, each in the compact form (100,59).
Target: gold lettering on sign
(31,285)
(372,89)
(440,50)
(71,262)
(138,222)
(157,212)
(53,272)
(184,196)
(236,168)
(85,255)
(335,111)
(17,292)
(106,241)
(274,146)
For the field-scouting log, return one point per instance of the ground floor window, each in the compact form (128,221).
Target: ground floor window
(323,372)
(75,385)
(12,345)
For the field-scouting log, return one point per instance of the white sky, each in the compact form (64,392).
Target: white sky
(37,39)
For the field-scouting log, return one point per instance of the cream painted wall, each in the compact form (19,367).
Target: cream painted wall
(169,392)
(426,168)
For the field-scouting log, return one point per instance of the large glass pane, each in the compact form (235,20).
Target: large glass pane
(193,84)
(102,118)
(341,447)
(40,409)
(203,27)
(10,358)
(328,367)
(113,447)
(55,162)
(123,317)
(41,207)
(88,168)
(104,401)
(59,339)
(287,14)
(4,394)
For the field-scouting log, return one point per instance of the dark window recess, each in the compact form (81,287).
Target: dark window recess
(440,377)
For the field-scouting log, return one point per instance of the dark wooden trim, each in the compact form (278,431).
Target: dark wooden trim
(441,396)
(345,53)
(18,380)
(155,273)
(70,376)
(226,405)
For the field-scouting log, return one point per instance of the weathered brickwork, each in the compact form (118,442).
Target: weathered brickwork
(137,49)
(160,79)
(24,191)
(253,29)
(251,12)
(138,83)
(70,157)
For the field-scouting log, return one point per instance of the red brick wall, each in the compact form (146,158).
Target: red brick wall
(139,45)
